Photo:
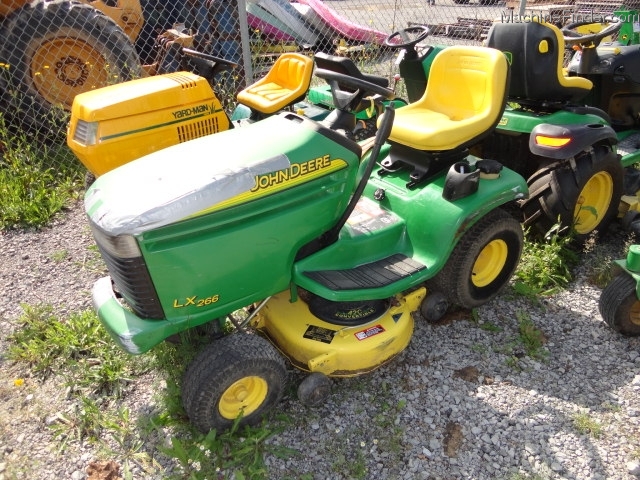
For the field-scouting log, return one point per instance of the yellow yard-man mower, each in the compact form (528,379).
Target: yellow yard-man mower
(116,124)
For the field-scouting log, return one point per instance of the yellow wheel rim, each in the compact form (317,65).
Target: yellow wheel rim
(245,395)
(64,67)
(489,263)
(593,202)
(634,313)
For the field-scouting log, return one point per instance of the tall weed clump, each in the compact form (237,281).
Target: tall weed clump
(36,180)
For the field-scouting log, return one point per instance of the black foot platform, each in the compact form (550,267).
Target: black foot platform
(371,275)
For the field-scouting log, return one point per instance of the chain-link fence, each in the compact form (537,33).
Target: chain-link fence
(54,49)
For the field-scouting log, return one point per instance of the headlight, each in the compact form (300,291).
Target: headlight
(86,133)
(121,246)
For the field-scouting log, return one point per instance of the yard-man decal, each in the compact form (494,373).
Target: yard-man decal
(204,109)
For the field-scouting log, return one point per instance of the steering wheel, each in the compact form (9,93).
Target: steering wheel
(572,37)
(417,33)
(209,58)
(335,78)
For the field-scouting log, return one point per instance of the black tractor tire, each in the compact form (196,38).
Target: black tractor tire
(54,50)
(619,305)
(583,194)
(239,375)
(483,261)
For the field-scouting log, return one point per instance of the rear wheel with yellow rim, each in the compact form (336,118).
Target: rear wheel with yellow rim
(482,262)
(582,193)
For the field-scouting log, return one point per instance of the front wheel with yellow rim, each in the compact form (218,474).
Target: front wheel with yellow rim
(239,377)
(619,305)
(482,262)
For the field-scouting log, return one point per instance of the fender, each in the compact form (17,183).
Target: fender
(565,141)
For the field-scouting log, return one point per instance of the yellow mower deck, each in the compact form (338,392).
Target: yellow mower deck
(314,345)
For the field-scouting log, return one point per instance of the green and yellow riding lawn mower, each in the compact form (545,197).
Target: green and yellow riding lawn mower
(301,239)
(582,130)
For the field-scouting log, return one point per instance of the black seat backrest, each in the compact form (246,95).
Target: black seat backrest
(536,51)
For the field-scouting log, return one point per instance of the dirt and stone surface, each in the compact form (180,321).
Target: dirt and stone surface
(462,402)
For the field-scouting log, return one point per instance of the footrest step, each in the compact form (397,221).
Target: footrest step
(371,275)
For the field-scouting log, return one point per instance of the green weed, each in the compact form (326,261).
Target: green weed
(586,425)
(59,256)
(545,265)
(76,348)
(531,337)
(238,451)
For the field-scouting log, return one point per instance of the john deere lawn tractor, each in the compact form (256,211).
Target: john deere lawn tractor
(571,132)
(301,240)
(619,302)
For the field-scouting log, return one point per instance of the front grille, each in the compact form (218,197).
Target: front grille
(130,276)
(199,129)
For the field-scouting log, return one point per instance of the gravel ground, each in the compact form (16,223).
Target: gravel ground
(454,405)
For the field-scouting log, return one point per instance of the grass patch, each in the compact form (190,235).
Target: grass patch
(76,348)
(600,266)
(239,451)
(586,425)
(529,342)
(36,180)
(531,337)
